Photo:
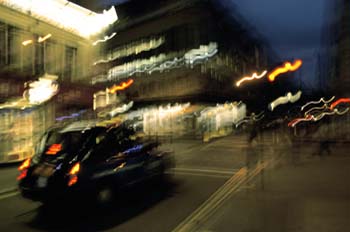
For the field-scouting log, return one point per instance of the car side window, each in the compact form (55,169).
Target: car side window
(110,144)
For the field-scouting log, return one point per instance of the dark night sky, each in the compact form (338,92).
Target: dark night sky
(293,28)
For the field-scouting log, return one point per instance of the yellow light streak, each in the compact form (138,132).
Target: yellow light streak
(26,42)
(287,67)
(122,86)
(42,39)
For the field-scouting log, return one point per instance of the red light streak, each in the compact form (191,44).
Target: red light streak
(73,180)
(287,67)
(294,122)
(122,86)
(337,102)
(54,149)
(22,175)
(73,174)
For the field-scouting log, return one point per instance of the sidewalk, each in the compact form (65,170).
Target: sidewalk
(310,193)
(8,175)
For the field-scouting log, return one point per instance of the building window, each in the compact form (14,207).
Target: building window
(13,46)
(70,64)
(3,44)
(39,58)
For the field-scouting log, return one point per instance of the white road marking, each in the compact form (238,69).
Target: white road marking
(218,198)
(8,195)
(200,170)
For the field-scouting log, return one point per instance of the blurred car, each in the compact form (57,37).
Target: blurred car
(88,158)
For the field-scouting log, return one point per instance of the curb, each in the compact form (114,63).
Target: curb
(8,190)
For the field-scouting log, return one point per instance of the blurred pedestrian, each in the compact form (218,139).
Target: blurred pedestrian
(253,133)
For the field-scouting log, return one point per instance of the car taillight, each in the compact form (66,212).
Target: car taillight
(24,165)
(73,178)
(54,149)
(22,174)
(23,168)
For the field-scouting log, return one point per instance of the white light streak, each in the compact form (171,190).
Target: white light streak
(285,99)
(160,62)
(254,76)
(106,38)
(317,102)
(122,109)
(133,48)
(222,115)
(251,118)
(335,111)
(325,106)
(43,89)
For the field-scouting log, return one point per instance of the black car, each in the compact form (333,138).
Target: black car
(87,158)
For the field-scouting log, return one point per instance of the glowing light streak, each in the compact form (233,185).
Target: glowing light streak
(158,120)
(120,166)
(287,67)
(24,165)
(54,149)
(43,89)
(122,86)
(250,118)
(42,39)
(335,111)
(22,175)
(72,180)
(254,76)
(133,48)
(325,106)
(314,118)
(75,169)
(337,102)
(74,115)
(65,15)
(159,63)
(285,99)
(294,122)
(27,42)
(104,39)
(121,109)
(317,102)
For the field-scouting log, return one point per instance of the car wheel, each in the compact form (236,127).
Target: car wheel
(104,196)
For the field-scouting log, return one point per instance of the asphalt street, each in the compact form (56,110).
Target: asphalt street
(224,185)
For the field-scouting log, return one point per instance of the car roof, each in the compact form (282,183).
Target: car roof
(90,124)
(80,126)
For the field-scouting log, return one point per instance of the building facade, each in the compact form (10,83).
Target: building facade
(53,37)
(179,50)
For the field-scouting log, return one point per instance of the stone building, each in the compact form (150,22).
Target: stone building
(53,37)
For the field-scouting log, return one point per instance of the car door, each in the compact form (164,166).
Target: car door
(105,160)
